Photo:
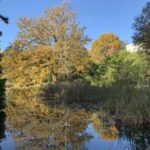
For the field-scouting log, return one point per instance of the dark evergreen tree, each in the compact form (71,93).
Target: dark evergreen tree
(141,25)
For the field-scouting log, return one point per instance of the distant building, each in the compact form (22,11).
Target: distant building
(133,48)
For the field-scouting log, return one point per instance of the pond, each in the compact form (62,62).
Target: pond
(6,140)
(31,125)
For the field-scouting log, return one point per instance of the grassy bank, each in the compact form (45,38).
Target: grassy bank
(125,102)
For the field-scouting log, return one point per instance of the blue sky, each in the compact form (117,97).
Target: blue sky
(98,16)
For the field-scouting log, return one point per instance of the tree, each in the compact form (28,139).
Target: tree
(26,68)
(141,25)
(105,46)
(58,29)
(4,19)
(127,68)
(124,68)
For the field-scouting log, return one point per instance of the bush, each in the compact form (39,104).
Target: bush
(122,68)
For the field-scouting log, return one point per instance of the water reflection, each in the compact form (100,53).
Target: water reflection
(60,130)
(138,138)
(37,127)
(6,142)
(121,136)
(2,125)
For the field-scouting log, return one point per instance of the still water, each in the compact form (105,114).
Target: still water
(6,140)
(63,128)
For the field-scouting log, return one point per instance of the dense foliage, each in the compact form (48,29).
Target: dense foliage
(2,87)
(123,68)
(37,66)
(58,29)
(105,46)
(142,28)
(51,50)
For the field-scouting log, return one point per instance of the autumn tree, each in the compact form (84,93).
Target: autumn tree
(105,46)
(58,29)
(30,67)
(141,25)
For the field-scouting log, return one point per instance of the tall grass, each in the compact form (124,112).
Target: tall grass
(125,102)
(75,92)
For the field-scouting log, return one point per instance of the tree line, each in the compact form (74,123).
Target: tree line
(52,48)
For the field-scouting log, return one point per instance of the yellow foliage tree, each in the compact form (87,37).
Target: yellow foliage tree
(59,30)
(105,46)
(30,67)
(40,65)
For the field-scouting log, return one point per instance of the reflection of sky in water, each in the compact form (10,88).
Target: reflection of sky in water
(98,143)
(7,143)
(95,143)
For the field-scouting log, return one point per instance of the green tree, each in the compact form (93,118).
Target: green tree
(123,68)
(127,68)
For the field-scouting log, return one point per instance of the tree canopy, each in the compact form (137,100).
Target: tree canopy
(59,30)
(57,24)
(141,25)
(123,68)
(52,48)
(105,46)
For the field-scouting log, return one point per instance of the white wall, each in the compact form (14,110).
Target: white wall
(132,48)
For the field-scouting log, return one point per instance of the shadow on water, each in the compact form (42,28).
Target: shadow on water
(6,141)
(138,137)
(2,125)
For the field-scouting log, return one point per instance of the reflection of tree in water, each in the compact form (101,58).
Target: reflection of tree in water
(35,126)
(105,127)
(130,137)
(61,128)
(56,131)
(2,126)
(137,137)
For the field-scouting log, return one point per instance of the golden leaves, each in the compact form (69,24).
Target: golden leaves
(105,46)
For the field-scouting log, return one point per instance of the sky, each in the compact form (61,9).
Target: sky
(98,16)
